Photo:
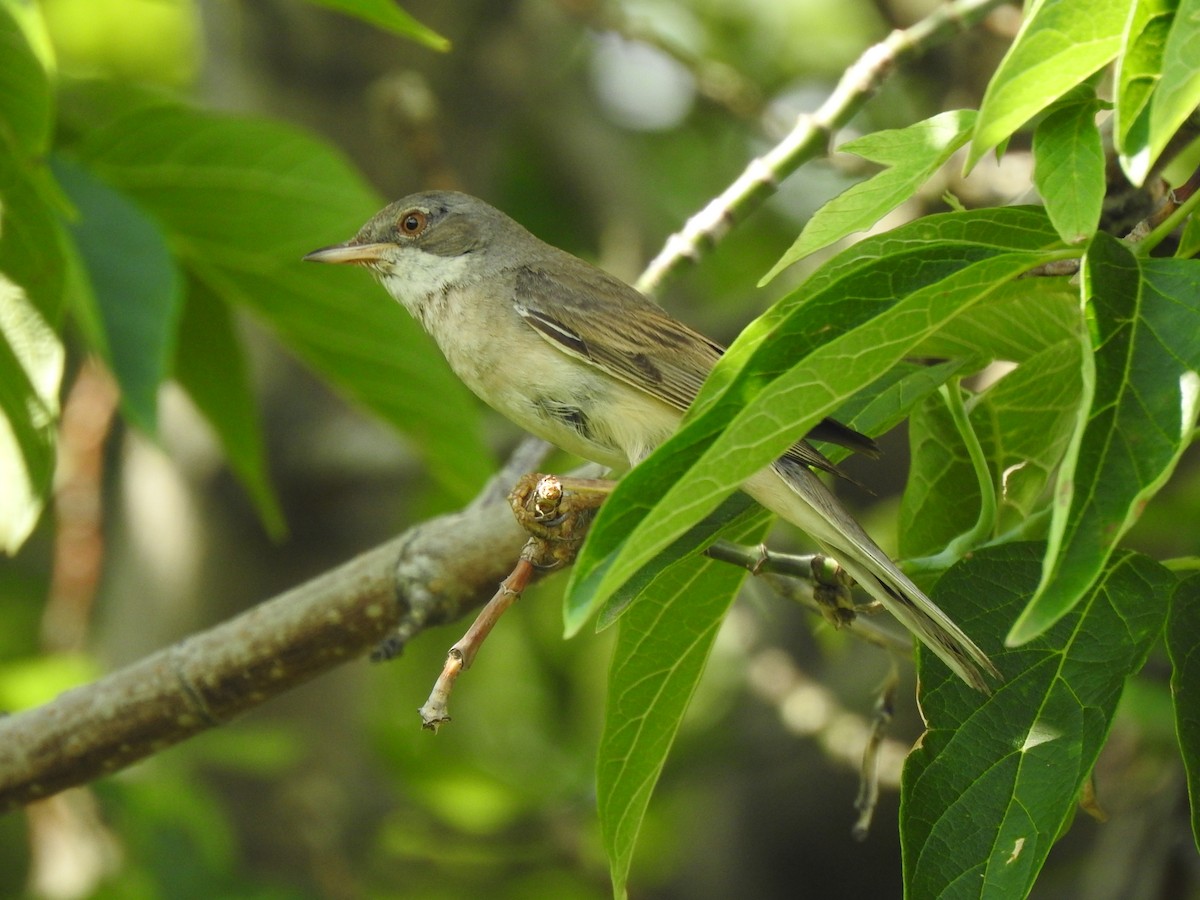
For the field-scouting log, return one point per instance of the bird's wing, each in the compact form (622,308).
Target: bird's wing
(651,351)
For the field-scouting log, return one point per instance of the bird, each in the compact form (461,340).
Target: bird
(585,361)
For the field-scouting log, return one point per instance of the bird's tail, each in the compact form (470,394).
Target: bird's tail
(791,490)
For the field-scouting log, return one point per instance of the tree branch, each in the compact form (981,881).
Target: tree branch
(430,574)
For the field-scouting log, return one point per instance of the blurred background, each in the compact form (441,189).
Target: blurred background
(601,126)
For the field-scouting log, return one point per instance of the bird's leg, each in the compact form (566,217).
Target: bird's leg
(556,512)
(831,590)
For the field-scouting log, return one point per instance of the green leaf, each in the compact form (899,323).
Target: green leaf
(890,399)
(1182,628)
(242,201)
(1178,91)
(211,367)
(910,154)
(940,470)
(31,239)
(659,656)
(1060,44)
(387,15)
(1023,422)
(26,100)
(991,785)
(1189,240)
(732,514)
(31,367)
(1139,68)
(1136,423)
(136,286)
(1068,169)
(1021,320)
(852,322)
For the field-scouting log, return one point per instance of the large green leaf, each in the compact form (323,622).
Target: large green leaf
(910,154)
(993,783)
(211,367)
(26,101)
(851,323)
(1020,320)
(1157,83)
(1178,92)
(1139,419)
(242,201)
(1061,43)
(31,249)
(659,656)
(1068,169)
(137,288)
(1139,68)
(387,15)
(892,398)
(1182,628)
(941,499)
(31,366)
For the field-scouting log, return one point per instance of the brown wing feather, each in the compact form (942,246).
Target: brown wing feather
(651,350)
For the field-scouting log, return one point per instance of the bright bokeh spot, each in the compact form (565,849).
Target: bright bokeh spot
(157,41)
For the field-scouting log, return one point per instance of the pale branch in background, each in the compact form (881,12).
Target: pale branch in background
(809,137)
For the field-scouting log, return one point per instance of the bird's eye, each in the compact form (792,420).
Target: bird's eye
(412,223)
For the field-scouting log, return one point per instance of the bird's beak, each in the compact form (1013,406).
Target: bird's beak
(350,253)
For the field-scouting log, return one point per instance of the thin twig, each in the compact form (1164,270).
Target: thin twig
(435,712)
(556,512)
(868,775)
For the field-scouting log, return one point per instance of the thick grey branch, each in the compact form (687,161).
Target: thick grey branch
(434,572)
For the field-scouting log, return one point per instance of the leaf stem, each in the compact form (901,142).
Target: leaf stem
(1164,228)
(986,520)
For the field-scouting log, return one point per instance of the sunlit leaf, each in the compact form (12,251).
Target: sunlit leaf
(1178,92)
(1021,320)
(1139,68)
(1138,421)
(388,15)
(31,367)
(1068,169)
(911,156)
(1061,43)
